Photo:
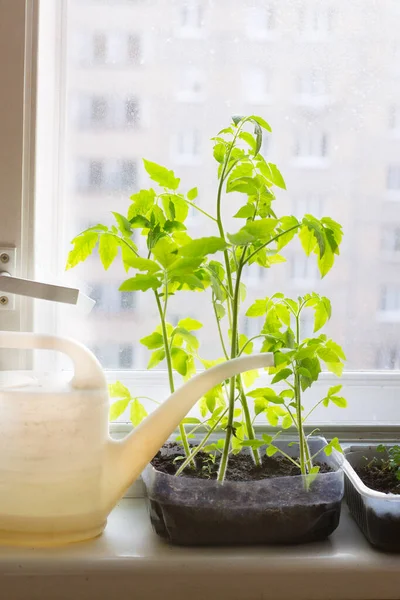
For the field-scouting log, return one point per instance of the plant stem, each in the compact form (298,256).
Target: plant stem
(249,423)
(276,237)
(201,445)
(182,431)
(297,393)
(229,428)
(221,337)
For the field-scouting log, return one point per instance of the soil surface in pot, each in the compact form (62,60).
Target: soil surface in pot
(241,467)
(184,511)
(379,478)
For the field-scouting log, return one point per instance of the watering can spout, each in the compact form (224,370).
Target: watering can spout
(127,458)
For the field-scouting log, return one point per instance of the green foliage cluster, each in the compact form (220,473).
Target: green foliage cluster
(392,460)
(173,261)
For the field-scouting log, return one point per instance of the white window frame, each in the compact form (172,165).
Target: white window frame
(373,393)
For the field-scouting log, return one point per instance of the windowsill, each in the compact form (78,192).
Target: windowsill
(128,560)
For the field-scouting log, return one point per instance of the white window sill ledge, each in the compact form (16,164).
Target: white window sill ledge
(129,561)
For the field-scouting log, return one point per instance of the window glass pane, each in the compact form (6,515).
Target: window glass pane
(159,79)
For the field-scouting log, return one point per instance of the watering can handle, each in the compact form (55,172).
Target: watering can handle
(88,373)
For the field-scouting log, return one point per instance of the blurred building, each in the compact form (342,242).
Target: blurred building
(157,79)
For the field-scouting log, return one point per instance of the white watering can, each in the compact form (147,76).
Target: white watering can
(60,472)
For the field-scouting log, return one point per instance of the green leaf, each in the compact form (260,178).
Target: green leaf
(286,224)
(202,247)
(179,207)
(245,185)
(261,229)
(184,266)
(282,375)
(179,360)
(123,224)
(264,392)
(245,212)
(314,226)
(272,416)
(84,245)
(287,422)
(241,238)
(108,249)
(249,139)
(219,152)
(258,309)
(138,412)
(308,240)
(327,355)
(261,122)
(190,324)
(142,264)
(333,444)
(323,313)
(252,443)
(188,337)
(156,357)
(192,194)
(118,408)
(260,405)
(220,310)
(271,450)
(140,283)
(277,178)
(335,367)
(161,175)
(118,390)
(334,390)
(258,133)
(155,340)
(171,226)
(138,221)
(339,401)
(249,377)
(236,119)
(283,314)
(142,202)
(304,372)
(164,252)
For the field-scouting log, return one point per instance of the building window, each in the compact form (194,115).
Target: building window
(96,293)
(134,49)
(131,112)
(313,84)
(256,84)
(393,178)
(191,14)
(388,358)
(125,356)
(390,298)
(252,326)
(309,204)
(311,144)
(127,301)
(99,111)
(316,20)
(391,239)
(304,268)
(107,48)
(106,175)
(188,146)
(256,276)
(191,85)
(100,48)
(260,21)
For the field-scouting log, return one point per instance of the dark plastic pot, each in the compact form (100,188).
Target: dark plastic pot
(198,512)
(377,514)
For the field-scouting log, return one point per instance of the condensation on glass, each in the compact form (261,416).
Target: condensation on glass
(157,79)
